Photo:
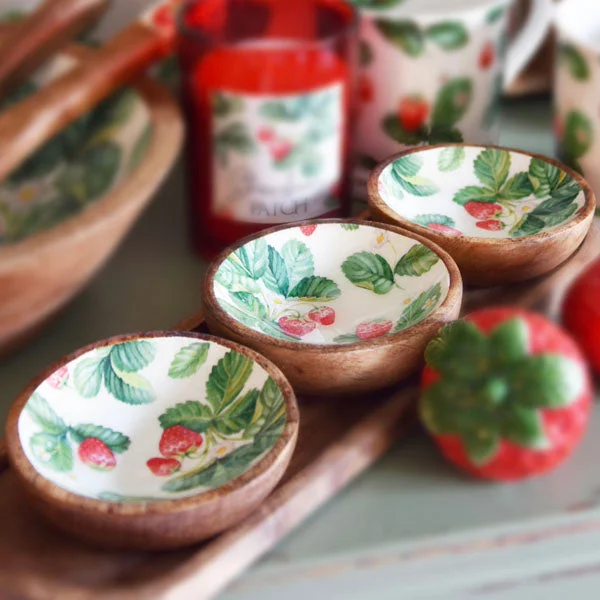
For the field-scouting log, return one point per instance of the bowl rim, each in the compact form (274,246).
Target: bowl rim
(214,309)
(135,189)
(54,494)
(377,203)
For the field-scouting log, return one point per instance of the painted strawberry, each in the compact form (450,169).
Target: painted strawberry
(59,378)
(296,326)
(369,330)
(581,313)
(308,230)
(96,454)
(163,467)
(483,210)
(491,225)
(487,56)
(266,134)
(366,92)
(413,113)
(280,150)
(325,315)
(505,393)
(444,229)
(179,441)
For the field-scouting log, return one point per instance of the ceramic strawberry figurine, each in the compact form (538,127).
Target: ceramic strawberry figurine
(505,394)
(581,313)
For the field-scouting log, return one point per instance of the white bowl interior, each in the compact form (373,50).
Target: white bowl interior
(78,166)
(151,398)
(331,283)
(478,192)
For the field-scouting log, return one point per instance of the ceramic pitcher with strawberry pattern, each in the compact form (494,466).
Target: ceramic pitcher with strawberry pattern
(432,71)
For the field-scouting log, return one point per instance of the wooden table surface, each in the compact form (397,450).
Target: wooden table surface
(411,527)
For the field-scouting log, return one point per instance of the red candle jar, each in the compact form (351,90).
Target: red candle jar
(267,88)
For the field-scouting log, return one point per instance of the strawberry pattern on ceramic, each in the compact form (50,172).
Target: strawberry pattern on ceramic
(76,167)
(331,283)
(273,152)
(151,419)
(576,89)
(433,72)
(479,192)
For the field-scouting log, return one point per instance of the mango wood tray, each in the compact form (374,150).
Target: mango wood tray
(338,440)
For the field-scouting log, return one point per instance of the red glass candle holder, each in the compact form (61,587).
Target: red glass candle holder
(267,88)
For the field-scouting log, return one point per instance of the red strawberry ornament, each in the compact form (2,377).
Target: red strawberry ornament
(96,454)
(178,441)
(505,394)
(581,313)
(369,330)
(163,467)
(296,326)
(324,315)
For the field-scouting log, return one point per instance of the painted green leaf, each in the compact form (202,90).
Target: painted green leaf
(369,271)
(52,451)
(233,277)
(298,260)
(132,356)
(250,304)
(524,427)
(188,360)
(140,148)
(276,275)
(113,112)
(235,137)
(403,173)
(350,226)
(239,415)
(391,126)
(416,262)
(191,414)
(425,220)
(549,213)
(92,174)
(452,102)
(88,374)
(407,166)
(419,186)
(545,177)
(546,380)
(218,473)
(241,314)
(227,379)
(575,62)
(116,441)
(449,35)
(128,387)
(225,105)
(420,308)
(346,338)
(473,193)
(443,134)
(492,167)
(451,158)
(253,258)
(496,14)
(271,398)
(516,188)
(578,135)
(406,35)
(315,289)
(43,414)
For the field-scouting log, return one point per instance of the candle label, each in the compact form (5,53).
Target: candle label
(277,158)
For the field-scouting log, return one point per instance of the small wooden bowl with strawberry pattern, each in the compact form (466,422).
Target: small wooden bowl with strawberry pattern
(341,306)
(153,441)
(504,215)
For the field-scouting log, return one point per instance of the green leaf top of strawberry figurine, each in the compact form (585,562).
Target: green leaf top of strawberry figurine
(506,393)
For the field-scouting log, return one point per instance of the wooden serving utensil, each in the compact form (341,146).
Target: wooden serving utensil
(27,125)
(28,43)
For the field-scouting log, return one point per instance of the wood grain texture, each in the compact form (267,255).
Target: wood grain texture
(27,125)
(30,291)
(25,45)
(496,261)
(357,431)
(342,369)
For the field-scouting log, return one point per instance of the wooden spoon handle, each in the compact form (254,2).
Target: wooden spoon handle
(27,125)
(27,44)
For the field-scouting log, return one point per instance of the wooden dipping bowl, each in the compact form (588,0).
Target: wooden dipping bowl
(153,441)
(504,215)
(341,306)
